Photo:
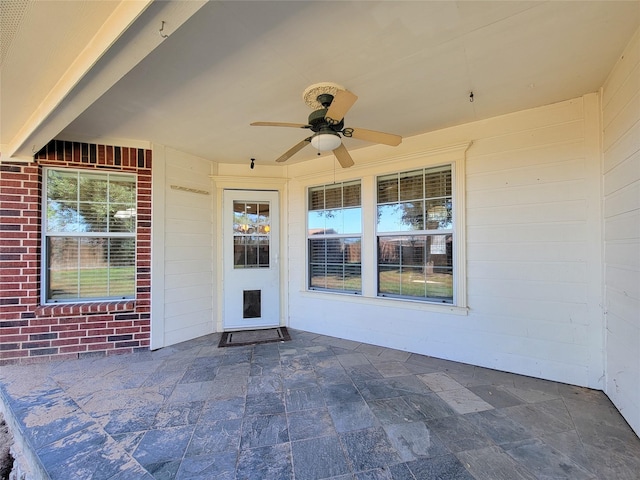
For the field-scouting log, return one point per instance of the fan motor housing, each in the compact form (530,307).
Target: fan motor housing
(318,122)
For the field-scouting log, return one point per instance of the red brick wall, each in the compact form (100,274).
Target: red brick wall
(32,332)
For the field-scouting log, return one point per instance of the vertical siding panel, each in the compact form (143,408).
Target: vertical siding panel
(188,249)
(621,180)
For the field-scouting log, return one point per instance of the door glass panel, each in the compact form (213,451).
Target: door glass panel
(239,260)
(263,251)
(251,234)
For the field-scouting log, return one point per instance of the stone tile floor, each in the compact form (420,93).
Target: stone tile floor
(315,407)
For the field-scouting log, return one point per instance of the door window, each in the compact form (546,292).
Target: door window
(251,234)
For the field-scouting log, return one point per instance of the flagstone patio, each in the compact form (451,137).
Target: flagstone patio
(315,407)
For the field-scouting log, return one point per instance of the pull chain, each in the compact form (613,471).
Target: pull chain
(334,170)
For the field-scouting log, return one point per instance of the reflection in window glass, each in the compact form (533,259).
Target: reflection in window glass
(411,185)
(439,214)
(419,266)
(316,222)
(352,220)
(334,226)
(82,202)
(400,217)
(333,196)
(415,235)
(333,221)
(263,251)
(351,194)
(437,182)
(335,264)
(89,229)
(251,234)
(388,188)
(316,198)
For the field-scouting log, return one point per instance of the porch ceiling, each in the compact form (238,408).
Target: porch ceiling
(226,64)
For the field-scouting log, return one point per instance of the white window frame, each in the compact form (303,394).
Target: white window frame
(45,235)
(418,233)
(453,154)
(332,236)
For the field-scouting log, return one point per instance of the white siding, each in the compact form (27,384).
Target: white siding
(183,248)
(621,184)
(533,249)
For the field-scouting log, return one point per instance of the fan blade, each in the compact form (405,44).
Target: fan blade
(375,137)
(343,156)
(279,124)
(339,107)
(293,150)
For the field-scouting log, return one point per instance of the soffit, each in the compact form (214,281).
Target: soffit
(39,41)
(412,64)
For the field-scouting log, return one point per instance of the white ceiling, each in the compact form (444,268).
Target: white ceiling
(412,64)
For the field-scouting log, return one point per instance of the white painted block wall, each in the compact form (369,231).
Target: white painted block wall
(621,183)
(533,246)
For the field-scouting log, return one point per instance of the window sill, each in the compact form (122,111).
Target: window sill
(92,308)
(388,302)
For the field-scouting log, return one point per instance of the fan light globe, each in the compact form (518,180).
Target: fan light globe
(325,142)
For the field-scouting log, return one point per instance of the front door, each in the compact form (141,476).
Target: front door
(251,259)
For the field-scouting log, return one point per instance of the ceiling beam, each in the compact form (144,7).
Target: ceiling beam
(131,33)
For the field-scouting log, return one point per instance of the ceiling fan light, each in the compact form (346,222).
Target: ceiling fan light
(325,142)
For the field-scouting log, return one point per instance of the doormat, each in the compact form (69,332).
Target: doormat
(254,337)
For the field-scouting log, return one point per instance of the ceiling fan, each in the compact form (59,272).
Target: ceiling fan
(330,103)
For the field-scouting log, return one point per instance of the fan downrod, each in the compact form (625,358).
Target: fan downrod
(325,99)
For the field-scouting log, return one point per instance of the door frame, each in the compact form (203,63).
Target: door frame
(222,183)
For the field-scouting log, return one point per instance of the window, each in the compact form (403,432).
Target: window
(334,227)
(89,240)
(415,235)
(251,227)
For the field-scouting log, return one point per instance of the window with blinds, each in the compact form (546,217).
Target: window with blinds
(334,234)
(415,234)
(89,229)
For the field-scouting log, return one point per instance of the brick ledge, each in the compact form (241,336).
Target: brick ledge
(96,308)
